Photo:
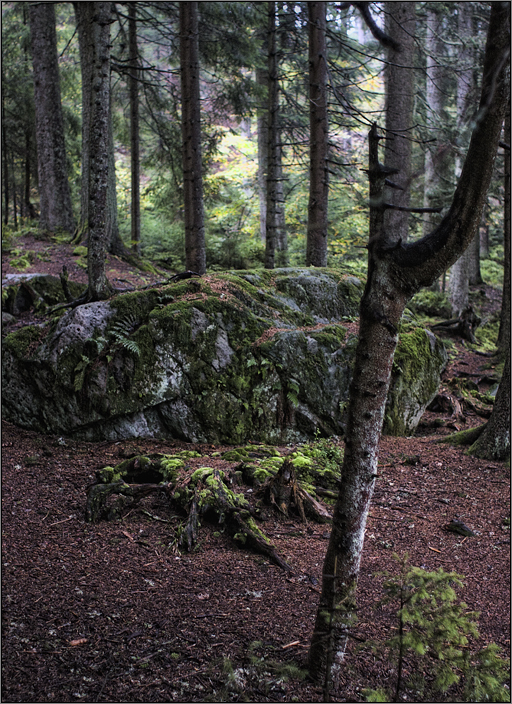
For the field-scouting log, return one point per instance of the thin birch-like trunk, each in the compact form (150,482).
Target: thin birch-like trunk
(395,272)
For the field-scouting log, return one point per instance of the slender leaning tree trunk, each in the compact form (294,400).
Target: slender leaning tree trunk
(195,248)
(56,212)
(98,238)
(316,248)
(395,272)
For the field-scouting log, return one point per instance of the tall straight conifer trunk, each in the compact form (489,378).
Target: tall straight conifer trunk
(460,271)
(195,248)
(55,198)
(399,75)
(88,37)
(134,128)
(396,271)
(98,230)
(316,247)
(504,337)
(273,136)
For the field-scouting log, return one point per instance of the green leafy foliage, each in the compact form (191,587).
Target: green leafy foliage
(432,639)
(122,329)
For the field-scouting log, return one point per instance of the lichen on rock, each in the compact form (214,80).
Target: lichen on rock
(420,358)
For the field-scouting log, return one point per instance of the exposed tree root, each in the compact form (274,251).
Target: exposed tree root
(205,493)
(285,494)
(464,326)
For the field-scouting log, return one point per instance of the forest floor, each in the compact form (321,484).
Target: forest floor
(113,612)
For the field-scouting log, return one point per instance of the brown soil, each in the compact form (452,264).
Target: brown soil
(112,612)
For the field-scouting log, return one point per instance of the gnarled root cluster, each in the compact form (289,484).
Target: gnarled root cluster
(204,493)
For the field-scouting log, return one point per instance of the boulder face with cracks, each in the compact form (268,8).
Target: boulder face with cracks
(228,358)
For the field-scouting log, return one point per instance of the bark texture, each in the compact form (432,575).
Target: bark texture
(504,333)
(134,129)
(195,248)
(88,37)
(98,238)
(400,26)
(460,271)
(55,199)
(436,155)
(274,173)
(262,80)
(316,248)
(395,272)
(494,441)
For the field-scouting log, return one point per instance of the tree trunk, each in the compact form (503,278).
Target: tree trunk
(14,193)
(262,80)
(494,441)
(400,27)
(87,38)
(84,12)
(28,208)
(134,129)
(316,248)
(274,146)
(55,199)
(395,272)
(5,165)
(98,238)
(435,93)
(460,271)
(437,162)
(195,249)
(504,333)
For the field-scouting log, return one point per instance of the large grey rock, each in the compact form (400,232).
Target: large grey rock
(22,292)
(419,358)
(227,358)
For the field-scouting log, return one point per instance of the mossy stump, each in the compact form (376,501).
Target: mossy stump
(205,493)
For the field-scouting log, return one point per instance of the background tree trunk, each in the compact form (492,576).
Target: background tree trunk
(84,12)
(494,441)
(504,333)
(88,37)
(56,212)
(134,128)
(435,94)
(195,249)
(395,273)
(5,165)
(399,74)
(273,175)
(316,247)
(460,271)
(99,287)
(437,173)
(262,80)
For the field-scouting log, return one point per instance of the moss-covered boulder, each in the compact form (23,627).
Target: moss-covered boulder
(230,358)
(419,359)
(23,292)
